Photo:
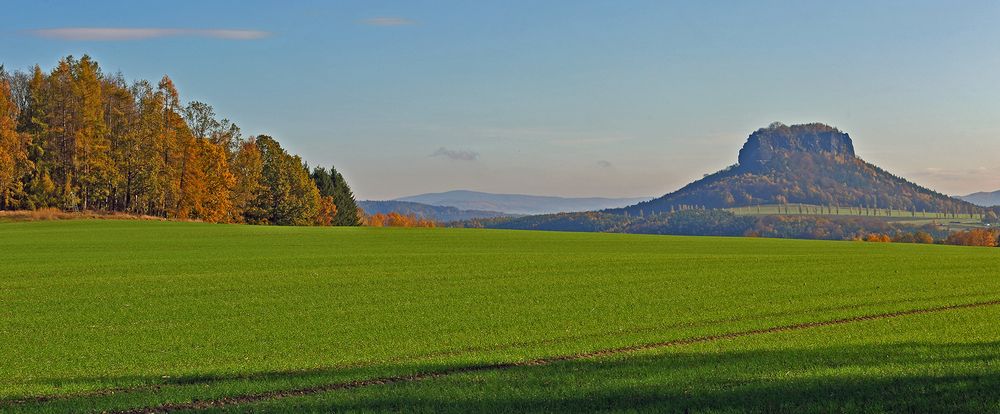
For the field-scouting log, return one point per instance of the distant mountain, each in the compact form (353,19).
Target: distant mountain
(519,203)
(801,164)
(985,199)
(426,211)
(808,164)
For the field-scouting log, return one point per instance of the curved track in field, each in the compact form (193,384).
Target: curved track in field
(273,395)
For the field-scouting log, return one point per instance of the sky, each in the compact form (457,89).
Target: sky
(573,98)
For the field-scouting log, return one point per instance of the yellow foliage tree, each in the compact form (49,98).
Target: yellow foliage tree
(14,163)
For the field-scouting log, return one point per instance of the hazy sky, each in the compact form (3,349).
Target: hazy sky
(578,98)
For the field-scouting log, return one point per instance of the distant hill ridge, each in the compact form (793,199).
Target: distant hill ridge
(983,198)
(426,211)
(519,204)
(809,164)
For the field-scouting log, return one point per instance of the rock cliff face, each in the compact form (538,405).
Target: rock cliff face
(764,144)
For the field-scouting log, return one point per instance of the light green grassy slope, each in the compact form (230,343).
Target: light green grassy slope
(951,221)
(170,312)
(811,209)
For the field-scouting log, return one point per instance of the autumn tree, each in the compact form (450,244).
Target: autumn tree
(249,190)
(120,119)
(92,161)
(974,237)
(14,163)
(41,189)
(374,220)
(291,197)
(203,123)
(923,237)
(77,138)
(56,122)
(326,212)
(395,219)
(216,181)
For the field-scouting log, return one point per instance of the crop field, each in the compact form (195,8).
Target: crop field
(147,316)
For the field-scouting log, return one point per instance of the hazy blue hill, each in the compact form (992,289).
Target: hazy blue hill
(519,203)
(436,213)
(985,199)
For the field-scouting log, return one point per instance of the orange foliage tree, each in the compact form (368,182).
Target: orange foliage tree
(79,139)
(326,212)
(14,163)
(974,237)
(394,219)
(878,238)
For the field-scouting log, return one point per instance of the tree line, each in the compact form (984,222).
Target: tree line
(395,219)
(78,139)
(719,222)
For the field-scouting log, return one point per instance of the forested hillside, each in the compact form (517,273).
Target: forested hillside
(76,138)
(725,223)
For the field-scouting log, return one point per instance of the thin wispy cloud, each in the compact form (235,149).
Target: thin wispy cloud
(458,155)
(388,21)
(121,33)
(959,180)
(605,164)
(953,173)
(589,141)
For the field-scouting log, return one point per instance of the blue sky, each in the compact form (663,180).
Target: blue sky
(577,98)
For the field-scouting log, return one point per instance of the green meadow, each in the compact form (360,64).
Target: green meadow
(144,315)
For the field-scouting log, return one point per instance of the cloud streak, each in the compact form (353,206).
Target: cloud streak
(121,33)
(960,174)
(458,155)
(388,21)
(959,180)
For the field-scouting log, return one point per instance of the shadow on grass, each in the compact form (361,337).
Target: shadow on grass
(138,382)
(96,387)
(910,377)
(907,377)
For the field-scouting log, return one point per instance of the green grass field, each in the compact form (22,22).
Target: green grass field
(927,363)
(120,315)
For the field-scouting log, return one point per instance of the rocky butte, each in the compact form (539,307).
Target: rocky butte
(764,144)
(808,164)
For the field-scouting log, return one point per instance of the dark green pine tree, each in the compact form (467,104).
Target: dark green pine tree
(347,207)
(323,180)
(332,183)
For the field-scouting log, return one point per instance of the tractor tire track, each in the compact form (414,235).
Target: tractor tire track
(389,380)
